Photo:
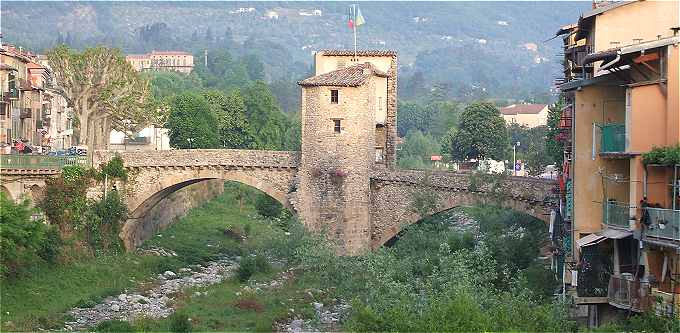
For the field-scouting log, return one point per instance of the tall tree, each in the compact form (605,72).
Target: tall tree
(481,134)
(268,122)
(104,90)
(229,111)
(191,123)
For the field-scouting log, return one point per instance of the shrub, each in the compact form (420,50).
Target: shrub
(246,268)
(262,264)
(21,238)
(114,326)
(267,206)
(180,323)
(114,169)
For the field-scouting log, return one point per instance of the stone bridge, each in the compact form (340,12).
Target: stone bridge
(155,175)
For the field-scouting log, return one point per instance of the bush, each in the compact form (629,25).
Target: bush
(180,323)
(267,206)
(114,326)
(262,264)
(246,268)
(22,239)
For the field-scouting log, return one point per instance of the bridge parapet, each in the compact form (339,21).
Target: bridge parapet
(203,157)
(522,188)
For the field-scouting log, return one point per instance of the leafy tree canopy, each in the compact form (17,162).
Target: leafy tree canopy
(481,134)
(104,90)
(191,123)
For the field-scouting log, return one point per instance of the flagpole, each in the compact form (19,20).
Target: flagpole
(354,12)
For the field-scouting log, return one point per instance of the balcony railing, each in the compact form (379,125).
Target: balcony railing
(617,214)
(626,293)
(613,138)
(663,223)
(33,162)
(25,113)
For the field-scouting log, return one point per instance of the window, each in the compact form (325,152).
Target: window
(336,125)
(334,96)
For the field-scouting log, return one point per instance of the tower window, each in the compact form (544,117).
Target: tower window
(334,96)
(336,125)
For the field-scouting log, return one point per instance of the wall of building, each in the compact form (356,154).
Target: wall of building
(643,19)
(593,104)
(385,92)
(334,172)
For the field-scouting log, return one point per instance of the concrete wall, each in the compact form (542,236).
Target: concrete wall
(169,210)
(643,19)
(593,104)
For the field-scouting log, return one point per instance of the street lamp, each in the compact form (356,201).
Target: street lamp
(190,141)
(514,159)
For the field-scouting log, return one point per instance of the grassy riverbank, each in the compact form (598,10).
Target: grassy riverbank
(39,298)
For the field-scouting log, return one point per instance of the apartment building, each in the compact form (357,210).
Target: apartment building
(529,115)
(176,61)
(617,236)
(31,110)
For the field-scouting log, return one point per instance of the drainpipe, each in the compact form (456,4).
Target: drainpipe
(609,64)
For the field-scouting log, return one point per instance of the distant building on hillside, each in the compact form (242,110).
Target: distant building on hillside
(162,61)
(529,115)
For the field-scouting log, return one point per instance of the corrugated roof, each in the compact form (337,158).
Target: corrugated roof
(361,53)
(522,109)
(352,76)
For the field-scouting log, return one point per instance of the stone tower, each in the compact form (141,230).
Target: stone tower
(348,129)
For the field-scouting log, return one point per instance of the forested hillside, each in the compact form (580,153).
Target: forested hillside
(470,50)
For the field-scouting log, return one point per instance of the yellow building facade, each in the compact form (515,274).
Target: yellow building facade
(622,230)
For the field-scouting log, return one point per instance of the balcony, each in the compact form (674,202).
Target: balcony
(626,293)
(616,214)
(25,113)
(663,223)
(613,138)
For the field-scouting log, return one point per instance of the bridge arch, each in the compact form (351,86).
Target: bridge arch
(147,187)
(461,199)
(393,195)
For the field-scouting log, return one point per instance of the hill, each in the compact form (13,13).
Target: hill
(472,49)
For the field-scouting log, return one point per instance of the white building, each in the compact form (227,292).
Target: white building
(149,138)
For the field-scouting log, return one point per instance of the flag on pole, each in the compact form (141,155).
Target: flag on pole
(350,18)
(358,18)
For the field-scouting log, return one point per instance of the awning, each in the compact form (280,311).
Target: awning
(591,239)
(615,234)
(603,235)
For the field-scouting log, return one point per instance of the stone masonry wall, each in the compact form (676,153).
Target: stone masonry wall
(203,157)
(333,192)
(169,210)
(391,124)
(393,193)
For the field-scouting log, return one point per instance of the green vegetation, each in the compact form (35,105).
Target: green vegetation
(104,89)
(481,134)
(667,156)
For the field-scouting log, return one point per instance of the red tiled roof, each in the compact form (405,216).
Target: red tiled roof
(361,53)
(352,76)
(522,109)
(137,56)
(32,65)
(170,53)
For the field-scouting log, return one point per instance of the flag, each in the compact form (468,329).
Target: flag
(359,19)
(350,18)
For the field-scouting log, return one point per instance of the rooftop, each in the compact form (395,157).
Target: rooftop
(361,53)
(516,109)
(170,53)
(352,76)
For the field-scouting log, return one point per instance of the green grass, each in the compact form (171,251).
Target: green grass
(40,299)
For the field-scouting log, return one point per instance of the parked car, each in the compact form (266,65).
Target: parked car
(77,151)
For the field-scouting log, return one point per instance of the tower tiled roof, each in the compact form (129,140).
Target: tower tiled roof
(361,53)
(352,76)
